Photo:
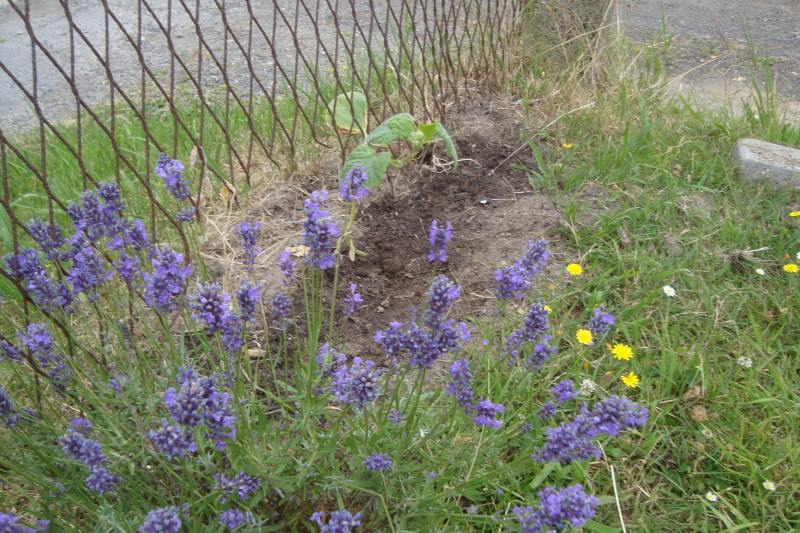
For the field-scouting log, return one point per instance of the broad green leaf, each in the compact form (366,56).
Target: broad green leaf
(349,112)
(449,147)
(393,128)
(374,162)
(428,130)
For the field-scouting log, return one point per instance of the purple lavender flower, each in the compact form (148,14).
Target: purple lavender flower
(287,266)
(118,382)
(486,412)
(340,522)
(395,416)
(8,524)
(247,297)
(248,237)
(137,236)
(441,295)
(128,266)
(199,401)
(281,310)
(102,480)
(461,386)
(46,293)
(172,441)
(557,510)
(438,238)
(171,170)
(510,283)
(210,305)
(231,333)
(541,352)
(319,234)
(8,416)
(164,285)
(570,441)
(600,322)
(327,358)
(83,449)
(526,428)
(564,391)
(436,336)
(352,301)
(351,188)
(547,410)
(534,259)
(617,414)
(90,453)
(87,273)
(49,237)
(377,462)
(356,384)
(533,329)
(81,425)
(164,520)
(234,518)
(10,353)
(38,341)
(99,213)
(242,484)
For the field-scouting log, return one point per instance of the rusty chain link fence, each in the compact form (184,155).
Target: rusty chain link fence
(95,90)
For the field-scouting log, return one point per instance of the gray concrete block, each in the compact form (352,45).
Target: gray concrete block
(762,161)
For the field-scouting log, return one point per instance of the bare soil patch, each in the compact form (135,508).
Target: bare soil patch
(488,198)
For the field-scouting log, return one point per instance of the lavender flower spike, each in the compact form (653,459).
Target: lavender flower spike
(438,238)
(461,386)
(557,510)
(171,170)
(352,301)
(340,522)
(319,234)
(486,413)
(248,235)
(164,285)
(351,188)
(164,520)
(378,462)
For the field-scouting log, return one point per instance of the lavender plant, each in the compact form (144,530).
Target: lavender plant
(181,430)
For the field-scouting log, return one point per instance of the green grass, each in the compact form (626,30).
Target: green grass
(663,170)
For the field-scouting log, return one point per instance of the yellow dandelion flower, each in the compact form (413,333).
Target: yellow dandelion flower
(791,267)
(622,352)
(794,214)
(575,269)
(566,145)
(769,485)
(630,379)
(547,308)
(584,336)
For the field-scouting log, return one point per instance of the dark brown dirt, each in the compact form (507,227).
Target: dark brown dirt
(488,198)
(494,212)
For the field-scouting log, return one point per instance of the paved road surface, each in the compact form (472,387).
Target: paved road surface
(708,35)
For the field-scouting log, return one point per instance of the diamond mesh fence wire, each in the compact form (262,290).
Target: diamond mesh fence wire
(96,91)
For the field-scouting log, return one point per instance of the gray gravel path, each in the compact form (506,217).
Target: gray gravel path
(709,34)
(50,26)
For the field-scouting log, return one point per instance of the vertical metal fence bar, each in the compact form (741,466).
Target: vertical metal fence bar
(111,93)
